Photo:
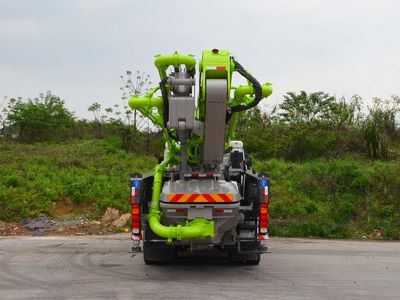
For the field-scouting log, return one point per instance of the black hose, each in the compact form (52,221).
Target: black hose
(257,91)
(164,96)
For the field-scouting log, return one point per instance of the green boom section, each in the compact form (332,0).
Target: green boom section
(137,102)
(245,90)
(215,64)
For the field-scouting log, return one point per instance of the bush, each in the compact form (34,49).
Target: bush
(379,127)
(41,119)
(307,126)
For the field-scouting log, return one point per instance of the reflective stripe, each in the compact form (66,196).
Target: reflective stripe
(195,198)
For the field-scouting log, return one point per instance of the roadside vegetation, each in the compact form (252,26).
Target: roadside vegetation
(342,198)
(93,174)
(334,166)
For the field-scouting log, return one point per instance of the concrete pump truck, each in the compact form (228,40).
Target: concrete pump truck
(203,194)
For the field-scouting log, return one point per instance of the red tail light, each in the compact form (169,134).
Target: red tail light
(136,220)
(264,218)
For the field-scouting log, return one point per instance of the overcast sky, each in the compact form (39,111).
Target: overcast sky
(78,49)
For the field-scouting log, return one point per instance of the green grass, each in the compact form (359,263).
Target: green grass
(345,197)
(340,198)
(33,177)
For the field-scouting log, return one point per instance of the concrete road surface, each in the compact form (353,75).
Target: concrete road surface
(102,268)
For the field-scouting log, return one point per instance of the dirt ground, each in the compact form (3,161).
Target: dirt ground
(61,228)
(69,220)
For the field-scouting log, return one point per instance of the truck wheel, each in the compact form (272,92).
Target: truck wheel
(246,259)
(253,259)
(156,252)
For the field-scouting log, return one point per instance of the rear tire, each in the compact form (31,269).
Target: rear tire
(243,258)
(156,252)
(254,260)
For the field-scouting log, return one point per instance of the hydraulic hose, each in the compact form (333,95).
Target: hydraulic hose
(257,91)
(164,95)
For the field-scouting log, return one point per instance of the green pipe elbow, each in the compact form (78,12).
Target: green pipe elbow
(196,229)
(137,102)
(162,62)
(244,90)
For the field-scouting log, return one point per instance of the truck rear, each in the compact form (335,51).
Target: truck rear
(204,194)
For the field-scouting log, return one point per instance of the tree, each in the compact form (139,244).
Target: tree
(250,121)
(345,114)
(40,119)
(136,85)
(303,107)
(95,108)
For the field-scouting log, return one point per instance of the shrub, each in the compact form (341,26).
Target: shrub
(380,127)
(41,119)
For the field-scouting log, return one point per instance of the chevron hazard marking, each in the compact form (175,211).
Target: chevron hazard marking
(200,198)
